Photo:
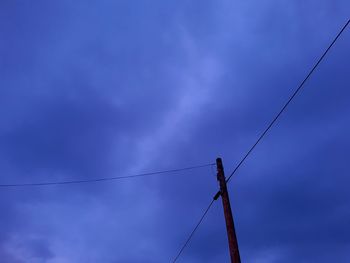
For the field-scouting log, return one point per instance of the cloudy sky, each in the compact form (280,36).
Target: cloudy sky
(92,89)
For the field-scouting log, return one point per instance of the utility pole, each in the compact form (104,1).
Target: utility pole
(231,233)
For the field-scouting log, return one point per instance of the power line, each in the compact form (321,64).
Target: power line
(288,101)
(193,231)
(262,135)
(105,178)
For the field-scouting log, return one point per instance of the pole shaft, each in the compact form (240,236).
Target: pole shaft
(231,233)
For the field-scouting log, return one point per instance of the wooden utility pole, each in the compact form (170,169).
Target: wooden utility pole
(231,233)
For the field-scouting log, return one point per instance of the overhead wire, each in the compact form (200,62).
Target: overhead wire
(288,101)
(106,178)
(193,231)
(263,135)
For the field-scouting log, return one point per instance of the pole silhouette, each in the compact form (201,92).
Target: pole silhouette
(231,233)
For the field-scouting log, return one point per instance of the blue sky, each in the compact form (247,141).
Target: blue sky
(93,89)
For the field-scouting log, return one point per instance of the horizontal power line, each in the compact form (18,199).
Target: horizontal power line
(106,178)
(261,137)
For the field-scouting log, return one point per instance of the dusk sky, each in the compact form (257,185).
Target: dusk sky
(92,89)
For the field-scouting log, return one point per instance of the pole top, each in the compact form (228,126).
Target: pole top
(218,161)
(220,169)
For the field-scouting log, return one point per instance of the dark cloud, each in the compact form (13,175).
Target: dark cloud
(64,136)
(93,90)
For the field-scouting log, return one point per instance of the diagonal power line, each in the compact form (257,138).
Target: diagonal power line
(289,100)
(193,231)
(263,135)
(106,178)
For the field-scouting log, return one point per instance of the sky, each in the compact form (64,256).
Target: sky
(92,89)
